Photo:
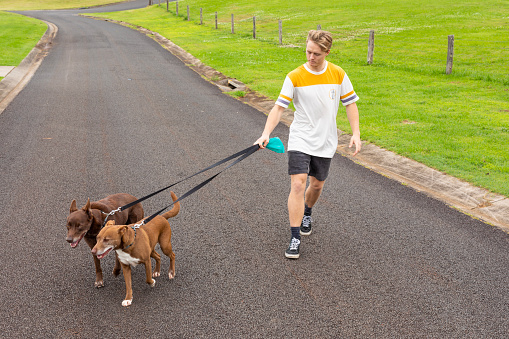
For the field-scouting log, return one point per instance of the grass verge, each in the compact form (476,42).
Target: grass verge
(18,35)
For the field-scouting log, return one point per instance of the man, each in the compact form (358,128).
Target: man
(316,88)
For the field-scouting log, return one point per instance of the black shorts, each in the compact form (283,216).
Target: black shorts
(317,167)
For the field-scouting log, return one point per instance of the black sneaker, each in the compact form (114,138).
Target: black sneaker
(305,226)
(293,250)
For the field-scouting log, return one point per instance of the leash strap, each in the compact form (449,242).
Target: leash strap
(245,153)
(250,150)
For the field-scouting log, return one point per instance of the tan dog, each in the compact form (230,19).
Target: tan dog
(136,246)
(87,222)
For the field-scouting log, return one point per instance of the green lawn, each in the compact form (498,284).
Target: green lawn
(18,35)
(457,123)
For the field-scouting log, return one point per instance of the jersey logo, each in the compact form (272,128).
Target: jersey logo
(332,94)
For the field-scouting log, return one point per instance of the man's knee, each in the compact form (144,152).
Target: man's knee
(316,184)
(298,183)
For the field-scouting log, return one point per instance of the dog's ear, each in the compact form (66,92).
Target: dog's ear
(110,223)
(122,230)
(86,208)
(73,207)
(87,205)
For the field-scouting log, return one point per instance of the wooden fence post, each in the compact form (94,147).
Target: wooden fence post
(450,53)
(319,27)
(216,20)
(280,32)
(167,5)
(187,12)
(254,27)
(233,27)
(201,16)
(371,46)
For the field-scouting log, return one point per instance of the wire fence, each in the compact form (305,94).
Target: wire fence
(389,46)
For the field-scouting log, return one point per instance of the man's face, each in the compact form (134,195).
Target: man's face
(315,56)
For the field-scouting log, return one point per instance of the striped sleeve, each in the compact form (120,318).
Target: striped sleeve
(286,94)
(347,95)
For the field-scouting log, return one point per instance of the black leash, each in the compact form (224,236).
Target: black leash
(240,155)
(247,152)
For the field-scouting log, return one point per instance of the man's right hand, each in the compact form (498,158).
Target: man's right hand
(262,141)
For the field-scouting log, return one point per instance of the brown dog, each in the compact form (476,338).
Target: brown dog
(134,246)
(87,222)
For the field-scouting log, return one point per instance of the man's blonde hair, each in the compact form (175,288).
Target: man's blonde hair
(321,38)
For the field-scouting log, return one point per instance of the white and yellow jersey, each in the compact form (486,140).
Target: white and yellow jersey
(316,97)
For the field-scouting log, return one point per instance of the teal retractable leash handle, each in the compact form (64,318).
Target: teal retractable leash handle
(276,145)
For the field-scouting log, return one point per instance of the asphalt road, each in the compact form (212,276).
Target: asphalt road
(110,111)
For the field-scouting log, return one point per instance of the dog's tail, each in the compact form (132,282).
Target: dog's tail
(175,210)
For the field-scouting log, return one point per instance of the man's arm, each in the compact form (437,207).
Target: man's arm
(272,120)
(353,117)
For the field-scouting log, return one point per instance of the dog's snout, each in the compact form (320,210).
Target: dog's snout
(68,239)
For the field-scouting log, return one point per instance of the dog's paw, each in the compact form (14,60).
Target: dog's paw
(99,284)
(127,302)
(171,275)
(156,274)
(153,283)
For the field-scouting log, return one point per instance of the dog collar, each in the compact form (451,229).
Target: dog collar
(133,239)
